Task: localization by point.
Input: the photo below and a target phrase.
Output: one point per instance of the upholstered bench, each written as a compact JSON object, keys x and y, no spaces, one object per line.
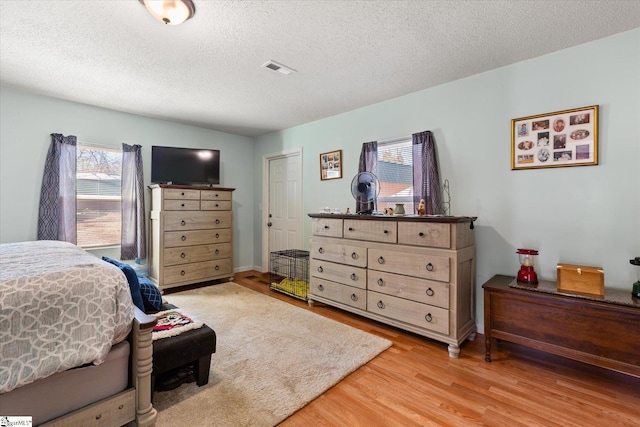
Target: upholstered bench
{"x":191,"y":348}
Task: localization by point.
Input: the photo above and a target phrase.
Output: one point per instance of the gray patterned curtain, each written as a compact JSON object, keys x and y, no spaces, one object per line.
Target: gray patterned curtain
{"x":368,"y":163}
{"x":57,"y":212}
{"x":426,"y":176}
{"x":134,"y":240}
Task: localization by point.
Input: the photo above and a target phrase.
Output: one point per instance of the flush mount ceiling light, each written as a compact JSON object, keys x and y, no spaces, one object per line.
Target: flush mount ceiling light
{"x":172,"y":12}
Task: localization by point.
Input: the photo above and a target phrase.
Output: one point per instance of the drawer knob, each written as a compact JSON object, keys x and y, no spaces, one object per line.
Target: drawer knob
{"x":217,"y":235}
{"x":320,"y":288}
{"x":217,"y":205}
{"x":182,"y":255}
{"x":350,"y":228}
{"x":321,"y":250}
{"x":380,"y":305}
{"x":320,"y":269}
{"x":430,"y":292}
{"x":217,"y":221}
{"x":428,"y":318}
{"x":217,"y":251}
{"x":386,"y":231}
{"x":421,"y":234}
{"x":380,"y":260}
{"x":183,"y":238}
{"x":182,"y":273}
{"x":217,"y":267}
{"x":182,"y":194}
{"x":121,"y":406}
{"x":182,"y":205}
{"x":380,"y":282}
{"x":354,"y":255}
{"x":354,"y":297}
{"x":326,"y":227}
{"x":353,"y":276}
{"x":217,"y":195}
{"x":98,"y":416}
{"x":429,"y":267}
{"x":183,"y":222}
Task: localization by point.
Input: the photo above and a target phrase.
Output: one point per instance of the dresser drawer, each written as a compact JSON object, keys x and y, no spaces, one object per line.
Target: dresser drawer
{"x":196,"y":271}
{"x":373,"y":231}
{"x":189,"y":254}
{"x":196,"y":237}
{"x":339,"y":252}
{"x":215,"y":205}
{"x":410,"y":264}
{"x":354,"y":297}
{"x":196,"y":220}
{"x":182,"y":205}
{"x":215,"y":195}
{"x":347,"y":274}
{"x":411,"y":288}
{"x":422,"y":315}
{"x":178,"y":194}
{"x":432,"y":234}
{"x":326,"y":227}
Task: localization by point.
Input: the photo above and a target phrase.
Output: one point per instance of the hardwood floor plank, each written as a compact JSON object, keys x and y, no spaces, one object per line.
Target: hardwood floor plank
{"x":416,"y":383}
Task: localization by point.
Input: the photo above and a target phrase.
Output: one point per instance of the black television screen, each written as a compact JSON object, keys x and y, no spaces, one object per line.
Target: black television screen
{"x":187,"y":166}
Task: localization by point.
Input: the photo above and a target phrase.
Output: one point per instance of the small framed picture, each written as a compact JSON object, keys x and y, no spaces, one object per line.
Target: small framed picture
{"x":562,"y":138}
{"x":331,"y":165}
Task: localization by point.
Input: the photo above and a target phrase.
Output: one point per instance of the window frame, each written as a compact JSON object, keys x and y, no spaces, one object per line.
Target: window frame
{"x":83,"y":197}
{"x":389,"y":200}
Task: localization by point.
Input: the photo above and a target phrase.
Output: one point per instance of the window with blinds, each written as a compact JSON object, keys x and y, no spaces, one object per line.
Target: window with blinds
{"x":98,"y":179}
{"x":395,"y":172}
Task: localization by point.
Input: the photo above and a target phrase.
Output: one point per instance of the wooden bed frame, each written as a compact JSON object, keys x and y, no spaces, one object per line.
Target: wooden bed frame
{"x":133,"y":404}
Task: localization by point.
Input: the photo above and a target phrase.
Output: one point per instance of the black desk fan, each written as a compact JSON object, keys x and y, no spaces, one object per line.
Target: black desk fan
{"x":365,"y":188}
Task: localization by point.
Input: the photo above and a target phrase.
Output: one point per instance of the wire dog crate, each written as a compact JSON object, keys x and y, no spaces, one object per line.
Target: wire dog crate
{"x":289,"y":272}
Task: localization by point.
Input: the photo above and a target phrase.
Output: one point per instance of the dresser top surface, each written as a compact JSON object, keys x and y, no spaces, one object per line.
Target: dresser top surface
{"x":403,"y":218}
{"x":611,"y":295}
{"x":190,"y":187}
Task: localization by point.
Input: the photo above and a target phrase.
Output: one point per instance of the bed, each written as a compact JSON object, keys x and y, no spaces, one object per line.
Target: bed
{"x":74,"y":350}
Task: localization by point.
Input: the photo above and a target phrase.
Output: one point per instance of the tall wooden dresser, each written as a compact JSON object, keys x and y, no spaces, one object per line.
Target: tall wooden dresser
{"x":415,"y":273}
{"x":191,"y":235}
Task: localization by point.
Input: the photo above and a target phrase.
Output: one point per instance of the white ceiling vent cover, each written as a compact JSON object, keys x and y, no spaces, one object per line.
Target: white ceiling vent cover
{"x":279,"y":68}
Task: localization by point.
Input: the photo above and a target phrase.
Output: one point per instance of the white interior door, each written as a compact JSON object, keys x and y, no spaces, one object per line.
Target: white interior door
{"x":283,"y":222}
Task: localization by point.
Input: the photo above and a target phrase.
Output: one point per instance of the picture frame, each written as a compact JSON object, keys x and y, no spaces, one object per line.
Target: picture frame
{"x":331,"y":165}
{"x":558,"y":139}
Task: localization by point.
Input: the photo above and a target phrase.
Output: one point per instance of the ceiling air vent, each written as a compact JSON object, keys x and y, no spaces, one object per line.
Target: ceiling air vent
{"x":279,"y":68}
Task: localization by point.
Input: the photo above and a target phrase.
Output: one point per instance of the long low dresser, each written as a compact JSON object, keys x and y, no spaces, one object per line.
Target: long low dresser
{"x":413,"y":272}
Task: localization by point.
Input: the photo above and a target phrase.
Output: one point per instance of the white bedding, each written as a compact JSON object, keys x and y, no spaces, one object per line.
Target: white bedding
{"x":60,"y":307}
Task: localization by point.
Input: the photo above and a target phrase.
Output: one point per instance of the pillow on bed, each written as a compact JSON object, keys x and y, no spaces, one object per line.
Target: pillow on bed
{"x":150,"y":294}
{"x":132,"y":278}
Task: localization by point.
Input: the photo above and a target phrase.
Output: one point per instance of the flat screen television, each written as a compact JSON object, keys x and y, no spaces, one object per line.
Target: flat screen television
{"x":186,"y":166}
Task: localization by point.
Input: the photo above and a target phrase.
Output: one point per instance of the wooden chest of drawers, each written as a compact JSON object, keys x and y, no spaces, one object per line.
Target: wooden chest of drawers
{"x":191,"y":235}
{"x":416,"y":273}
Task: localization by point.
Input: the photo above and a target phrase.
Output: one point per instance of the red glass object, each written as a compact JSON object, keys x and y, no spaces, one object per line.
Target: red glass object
{"x":527,"y":274}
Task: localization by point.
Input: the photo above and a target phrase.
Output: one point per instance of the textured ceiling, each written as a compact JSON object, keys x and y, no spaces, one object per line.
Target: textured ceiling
{"x":348,"y":54}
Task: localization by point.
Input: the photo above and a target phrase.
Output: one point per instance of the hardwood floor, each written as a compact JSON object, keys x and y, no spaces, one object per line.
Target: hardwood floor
{"x":415,"y":383}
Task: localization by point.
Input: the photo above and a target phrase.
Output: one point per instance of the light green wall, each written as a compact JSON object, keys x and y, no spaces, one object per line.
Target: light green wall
{"x":26,"y":122}
{"x":583,"y":215}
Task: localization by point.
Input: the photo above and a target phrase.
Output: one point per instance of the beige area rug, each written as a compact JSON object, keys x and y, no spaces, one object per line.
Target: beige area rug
{"x":272,"y":358}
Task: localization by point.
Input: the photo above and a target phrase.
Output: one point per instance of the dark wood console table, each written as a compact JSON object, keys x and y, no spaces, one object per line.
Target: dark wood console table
{"x":602,"y":331}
